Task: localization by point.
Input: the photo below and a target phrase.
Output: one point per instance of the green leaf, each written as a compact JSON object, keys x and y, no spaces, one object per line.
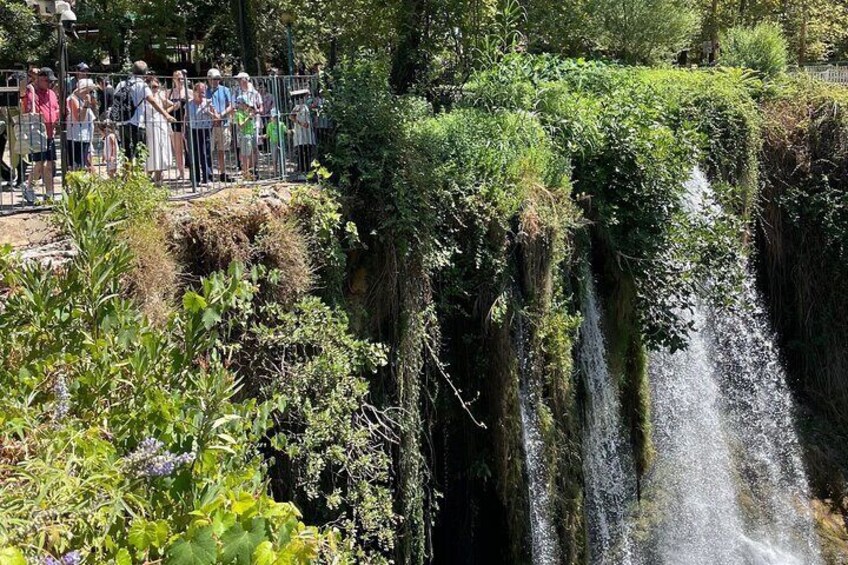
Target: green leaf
{"x":144,"y":534}
{"x":264,"y":554}
{"x":12,"y":556}
{"x":198,"y":548}
{"x":243,"y":503}
{"x":193,"y":302}
{"x":210,"y":318}
{"x":123,"y":557}
{"x":239,"y":544}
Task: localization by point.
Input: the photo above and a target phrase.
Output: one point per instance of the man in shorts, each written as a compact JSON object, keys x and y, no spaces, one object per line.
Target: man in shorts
{"x":42,"y":100}
{"x":222,"y":101}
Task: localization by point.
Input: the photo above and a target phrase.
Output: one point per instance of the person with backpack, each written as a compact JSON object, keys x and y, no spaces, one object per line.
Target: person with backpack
{"x":128,"y":109}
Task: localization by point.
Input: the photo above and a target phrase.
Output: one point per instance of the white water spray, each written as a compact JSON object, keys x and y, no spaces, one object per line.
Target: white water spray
{"x":607,"y":462}
{"x":545,"y":550}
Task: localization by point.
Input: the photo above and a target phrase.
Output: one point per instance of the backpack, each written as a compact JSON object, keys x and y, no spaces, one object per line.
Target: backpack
{"x":123,"y":108}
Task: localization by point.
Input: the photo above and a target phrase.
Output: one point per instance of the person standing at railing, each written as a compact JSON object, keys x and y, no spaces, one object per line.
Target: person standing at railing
{"x":110,"y":149}
{"x":304,"y":132}
{"x":42,"y":100}
{"x":222,"y":102}
{"x":128,"y":107}
{"x":158,"y":134}
{"x":275,"y":135}
{"x":81,"y":113}
{"x":245,"y":119}
{"x":246,"y":90}
{"x":201,"y":114}
{"x":268,"y":105}
{"x":178,"y":98}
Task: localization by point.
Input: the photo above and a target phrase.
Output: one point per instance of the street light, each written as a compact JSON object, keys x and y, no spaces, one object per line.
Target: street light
{"x":288,"y":19}
{"x":67,"y":19}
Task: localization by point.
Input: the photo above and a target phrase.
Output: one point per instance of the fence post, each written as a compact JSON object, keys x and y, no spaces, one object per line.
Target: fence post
{"x":190,"y":137}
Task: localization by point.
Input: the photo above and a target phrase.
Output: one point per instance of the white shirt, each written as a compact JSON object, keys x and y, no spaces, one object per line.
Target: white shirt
{"x":139,"y":92}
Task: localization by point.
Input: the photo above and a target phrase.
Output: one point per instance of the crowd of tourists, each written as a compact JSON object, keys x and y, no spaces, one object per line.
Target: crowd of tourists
{"x":187,"y":130}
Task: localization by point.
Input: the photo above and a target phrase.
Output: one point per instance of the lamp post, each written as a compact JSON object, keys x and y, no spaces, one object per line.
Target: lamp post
{"x":288,"y":19}
{"x":67,"y":17}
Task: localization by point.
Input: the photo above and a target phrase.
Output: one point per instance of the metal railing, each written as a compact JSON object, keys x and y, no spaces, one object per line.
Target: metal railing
{"x":213,"y":136}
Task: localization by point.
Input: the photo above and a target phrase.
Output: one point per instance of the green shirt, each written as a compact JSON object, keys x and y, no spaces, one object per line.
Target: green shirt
{"x":274,"y":130}
{"x":246,"y":123}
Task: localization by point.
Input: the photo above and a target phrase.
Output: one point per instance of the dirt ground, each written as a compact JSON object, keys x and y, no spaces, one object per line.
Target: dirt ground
{"x":28,"y":229}
{"x":33,"y":229}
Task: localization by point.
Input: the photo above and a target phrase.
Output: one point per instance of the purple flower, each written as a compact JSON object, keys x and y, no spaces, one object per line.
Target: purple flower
{"x":72,"y":558}
{"x":63,"y":398}
{"x":150,"y":459}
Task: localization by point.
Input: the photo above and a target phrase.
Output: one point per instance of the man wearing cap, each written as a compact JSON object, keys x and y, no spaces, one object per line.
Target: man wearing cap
{"x":42,"y":100}
{"x":81,"y":71}
{"x":254,"y":100}
{"x":141,"y":95}
{"x":222,"y":101}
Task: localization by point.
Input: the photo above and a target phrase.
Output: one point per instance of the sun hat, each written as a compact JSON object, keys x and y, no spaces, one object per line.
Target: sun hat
{"x":213,"y":73}
{"x":85,"y":83}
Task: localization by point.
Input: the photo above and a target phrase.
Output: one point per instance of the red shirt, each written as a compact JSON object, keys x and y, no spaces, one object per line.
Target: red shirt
{"x":46,"y":104}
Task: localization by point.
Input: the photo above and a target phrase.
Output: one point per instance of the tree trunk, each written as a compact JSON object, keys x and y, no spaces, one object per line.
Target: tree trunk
{"x":407,"y":59}
{"x":246,"y":26}
{"x":802,"y":35}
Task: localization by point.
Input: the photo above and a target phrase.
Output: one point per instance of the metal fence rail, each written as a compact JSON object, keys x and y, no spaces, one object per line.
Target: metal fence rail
{"x":198,"y":147}
{"x":830,"y":73}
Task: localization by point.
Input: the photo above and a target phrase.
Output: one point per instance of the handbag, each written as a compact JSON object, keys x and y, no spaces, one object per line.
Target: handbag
{"x":30,"y":134}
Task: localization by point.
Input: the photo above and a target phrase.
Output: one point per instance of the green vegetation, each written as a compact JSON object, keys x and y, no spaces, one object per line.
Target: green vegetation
{"x":803,"y":235}
{"x":761,"y":48}
{"x":126,"y":441}
{"x":360,"y":351}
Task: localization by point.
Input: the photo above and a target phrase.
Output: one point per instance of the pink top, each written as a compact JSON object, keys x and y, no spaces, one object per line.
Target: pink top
{"x":46,"y":104}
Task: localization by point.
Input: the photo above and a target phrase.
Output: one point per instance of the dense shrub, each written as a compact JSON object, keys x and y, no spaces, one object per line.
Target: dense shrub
{"x":761,"y":48}
{"x":122,"y":442}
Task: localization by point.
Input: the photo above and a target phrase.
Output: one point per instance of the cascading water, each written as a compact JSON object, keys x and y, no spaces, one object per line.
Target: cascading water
{"x":728,"y":483}
{"x":543,"y":539}
{"x":607,"y":464}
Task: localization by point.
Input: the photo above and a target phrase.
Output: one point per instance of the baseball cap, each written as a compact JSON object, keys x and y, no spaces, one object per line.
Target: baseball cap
{"x":213,"y":73}
{"x":242,"y":75}
{"x":47,"y":72}
{"x":82,"y":67}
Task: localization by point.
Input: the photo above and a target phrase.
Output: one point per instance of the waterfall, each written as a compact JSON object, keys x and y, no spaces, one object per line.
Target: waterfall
{"x":544,"y":545}
{"x":728,"y":480}
{"x":607,"y":463}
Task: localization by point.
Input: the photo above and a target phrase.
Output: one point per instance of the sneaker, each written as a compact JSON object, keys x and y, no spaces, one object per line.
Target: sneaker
{"x":29,"y":195}
{"x":225,"y":178}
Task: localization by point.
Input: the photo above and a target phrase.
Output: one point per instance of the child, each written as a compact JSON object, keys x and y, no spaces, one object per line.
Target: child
{"x":110,"y":149}
{"x":275,"y":134}
{"x":246,"y":123}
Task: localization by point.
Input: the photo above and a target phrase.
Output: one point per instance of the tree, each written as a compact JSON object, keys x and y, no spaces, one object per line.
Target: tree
{"x":643,"y":31}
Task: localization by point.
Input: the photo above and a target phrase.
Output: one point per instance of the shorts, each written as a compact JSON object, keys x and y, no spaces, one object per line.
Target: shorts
{"x":247,"y":144}
{"x":221,"y":138}
{"x":49,"y":153}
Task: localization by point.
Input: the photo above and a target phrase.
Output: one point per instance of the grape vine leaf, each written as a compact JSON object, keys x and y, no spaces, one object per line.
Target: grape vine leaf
{"x":239,"y":544}
{"x":198,"y":548}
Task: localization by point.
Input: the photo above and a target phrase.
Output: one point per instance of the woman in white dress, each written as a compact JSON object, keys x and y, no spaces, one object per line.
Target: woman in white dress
{"x":159,"y":156}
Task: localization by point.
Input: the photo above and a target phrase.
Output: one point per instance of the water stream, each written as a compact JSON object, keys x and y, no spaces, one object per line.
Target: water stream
{"x":727,"y":485}
{"x":607,"y":462}
{"x":545,"y":550}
